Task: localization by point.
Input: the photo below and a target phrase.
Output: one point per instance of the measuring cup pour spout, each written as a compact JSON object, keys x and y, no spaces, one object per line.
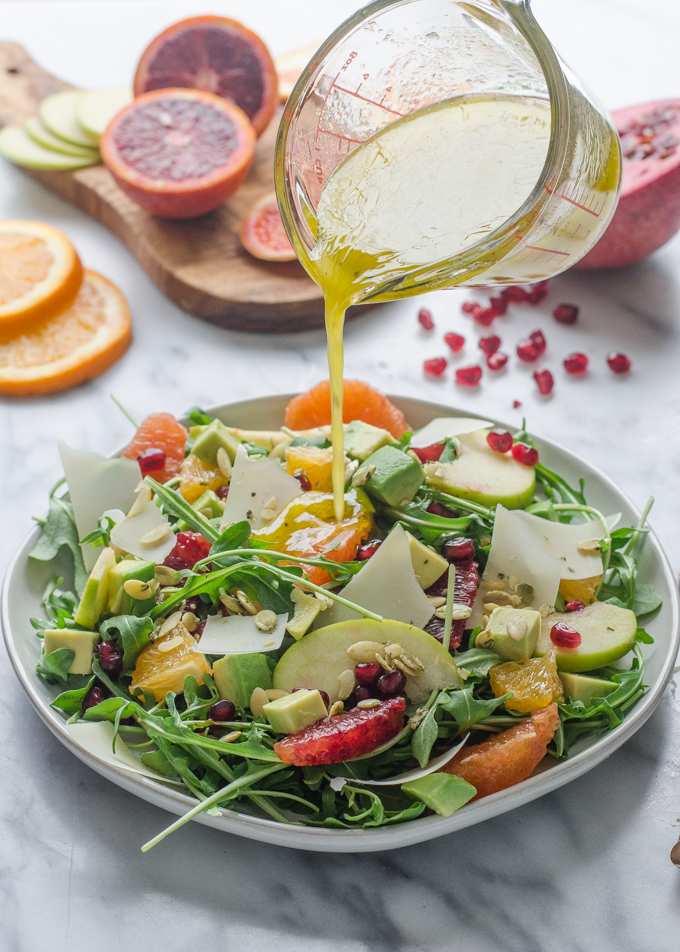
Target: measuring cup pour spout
{"x":518,"y":171}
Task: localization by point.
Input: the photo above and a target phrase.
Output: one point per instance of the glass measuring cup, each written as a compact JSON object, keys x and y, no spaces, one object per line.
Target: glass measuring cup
{"x":393,"y":58}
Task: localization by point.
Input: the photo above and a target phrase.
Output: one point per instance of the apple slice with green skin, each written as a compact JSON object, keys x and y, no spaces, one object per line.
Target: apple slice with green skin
{"x":482,"y":475}
{"x":42,"y":135}
{"x":59,"y":112}
{"x":318,"y":659}
{"x":17,"y":146}
{"x":607,"y":634}
{"x":96,"y":108}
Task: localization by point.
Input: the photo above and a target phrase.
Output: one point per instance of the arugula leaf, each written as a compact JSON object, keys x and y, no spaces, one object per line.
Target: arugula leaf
{"x":478,"y":660}
{"x":131,"y":632}
{"x":198,"y":417}
{"x":644,"y":637}
{"x":59,"y":605}
{"x":425,"y":735}
{"x":71,"y":702}
{"x":176,"y":505}
{"x":110,"y":709}
{"x":646,"y":600}
{"x":273,"y":593}
{"x":466,"y":709}
{"x":54,"y":667}
{"x":156,"y":760}
{"x":58,"y":531}
{"x":232,"y":538}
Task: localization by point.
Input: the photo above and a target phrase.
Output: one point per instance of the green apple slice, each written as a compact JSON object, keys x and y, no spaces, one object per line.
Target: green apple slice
{"x":59,"y":113}
{"x":17,"y":146}
{"x":96,"y":108}
{"x":482,"y":475}
{"x":607,"y":634}
{"x":318,"y":659}
{"x":39,"y":132}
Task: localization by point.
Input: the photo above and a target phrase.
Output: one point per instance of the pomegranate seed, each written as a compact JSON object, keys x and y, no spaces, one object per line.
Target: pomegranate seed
{"x":544,"y":381}
{"x":537,"y":292}
{"x":192,"y":604}
{"x":469,"y":307}
{"x":538,"y":340}
{"x":199,"y":631}
{"x":489,"y":345}
{"x":93,"y":697}
{"x":564,"y":636}
{"x":429,"y":454}
{"x":222,"y":711}
{"x":368,"y":550}
{"x":459,"y":549}
{"x":368,"y":674}
{"x":525,"y":454}
{"x":468,"y":376}
{"x":110,"y":658}
{"x":484,"y":318}
{"x":566,"y":314}
{"x":618,"y":362}
{"x":499,"y":440}
{"x":516,"y":403}
{"x":455,"y":341}
{"x":425,"y":319}
{"x":222,"y":492}
{"x":363,"y":693}
{"x":527,"y":351}
{"x":515,"y":294}
{"x":576,"y":364}
{"x":498,"y":305}
{"x":390,"y":684}
{"x":435,"y":367}
{"x":151,"y":460}
{"x":437,"y":509}
{"x":497,"y":361}
{"x":575,"y":606}
{"x":302,"y":479}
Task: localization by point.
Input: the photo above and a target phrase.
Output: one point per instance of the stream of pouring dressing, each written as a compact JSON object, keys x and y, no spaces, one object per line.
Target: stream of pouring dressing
{"x":420,"y":191}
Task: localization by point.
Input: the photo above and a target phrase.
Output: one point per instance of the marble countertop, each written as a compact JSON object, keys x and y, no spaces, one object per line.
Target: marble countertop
{"x":585,"y":868}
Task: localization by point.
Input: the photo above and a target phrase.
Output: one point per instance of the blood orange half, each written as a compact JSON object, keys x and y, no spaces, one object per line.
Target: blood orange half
{"x":216,"y":55}
{"x":262,"y":232}
{"x":179,"y":153}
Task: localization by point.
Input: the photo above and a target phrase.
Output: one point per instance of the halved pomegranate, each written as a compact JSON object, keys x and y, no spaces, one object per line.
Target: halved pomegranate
{"x":648,"y":213}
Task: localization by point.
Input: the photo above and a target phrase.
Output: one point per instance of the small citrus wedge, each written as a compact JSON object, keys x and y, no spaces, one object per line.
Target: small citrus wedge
{"x":160,"y":431}
{"x":74,"y":345}
{"x":262,"y":232}
{"x":361,"y":402}
{"x":40,"y":273}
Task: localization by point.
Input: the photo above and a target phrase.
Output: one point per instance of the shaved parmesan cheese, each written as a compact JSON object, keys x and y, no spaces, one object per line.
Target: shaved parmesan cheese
{"x":562,"y":541}
{"x":95,"y":484}
{"x":255,"y":485}
{"x":97,"y":739}
{"x":238,"y":634}
{"x":130,"y":534}
{"x":441,"y":428}
{"x":387,"y":585}
{"x":515,"y":550}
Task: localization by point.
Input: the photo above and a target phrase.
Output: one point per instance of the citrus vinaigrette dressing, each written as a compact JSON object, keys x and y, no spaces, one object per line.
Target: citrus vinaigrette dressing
{"x":421,"y":190}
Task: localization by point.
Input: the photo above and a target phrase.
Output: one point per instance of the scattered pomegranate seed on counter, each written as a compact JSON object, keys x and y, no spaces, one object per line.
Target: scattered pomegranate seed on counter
{"x":489,"y":345}
{"x":425,"y":319}
{"x":537,"y":292}
{"x":524,"y":454}
{"x":618,"y":362}
{"x":498,"y":305}
{"x":368,"y":549}
{"x":575,"y":606}
{"x":455,"y":341}
{"x":516,"y":404}
{"x":515,"y":294}
{"x":566,"y":314}
{"x":151,"y":460}
{"x":435,"y":367}
{"x":485,"y":317}
{"x":544,"y":382}
{"x":469,"y":376}
{"x":496,"y":361}
{"x":564,"y":636}
{"x":538,"y":340}
{"x":499,"y":440}
{"x":469,"y":307}
{"x":576,"y":364}
{"x":527,"y":351}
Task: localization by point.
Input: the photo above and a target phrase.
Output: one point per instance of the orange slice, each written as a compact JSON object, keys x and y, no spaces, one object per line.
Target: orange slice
{"x":70,"y":347}
{"x":160,"y":431}
{"x":361,"y":402}
{"x":40,"y":272}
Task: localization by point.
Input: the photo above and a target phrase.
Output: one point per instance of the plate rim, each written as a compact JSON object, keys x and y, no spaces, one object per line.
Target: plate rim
{"x":384,"y":838}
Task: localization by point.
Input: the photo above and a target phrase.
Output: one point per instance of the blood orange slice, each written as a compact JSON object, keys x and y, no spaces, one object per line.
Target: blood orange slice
{"x":361,"y":402}
{"x":262,"y":232}
{"x":160,"y":431}
{"x":179,"y":153}
{"x":216,"y":55}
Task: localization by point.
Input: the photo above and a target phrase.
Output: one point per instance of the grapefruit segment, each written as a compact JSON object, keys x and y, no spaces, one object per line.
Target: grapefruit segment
{"x":361,"y":402}
{"x":262,"y":232}
{"x":179,"y":153}
{"x":160,"y":431}
{"x":216,"y":55}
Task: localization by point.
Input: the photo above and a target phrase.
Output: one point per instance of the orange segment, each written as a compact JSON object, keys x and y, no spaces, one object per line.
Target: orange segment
{"x":316,"y":464}
{"x":361,"y":402}
{"x":40,"y":272}
{"x":195,"y":477}
{"x":534,"y":684}
{"x":160,"y":431}
{"x":580,"y":590}
{"x":159,"y":670}
{"x":72,"y":346}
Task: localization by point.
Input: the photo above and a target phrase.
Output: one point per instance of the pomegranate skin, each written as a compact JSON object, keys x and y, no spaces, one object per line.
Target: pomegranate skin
{"x":648,"y":213}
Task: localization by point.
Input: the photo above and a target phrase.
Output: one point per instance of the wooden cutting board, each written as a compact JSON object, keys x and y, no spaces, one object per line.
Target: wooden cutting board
{"x":198,"y":263}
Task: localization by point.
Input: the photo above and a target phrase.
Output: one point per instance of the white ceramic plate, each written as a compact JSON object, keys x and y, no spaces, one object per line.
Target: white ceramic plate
{"x":26,"y":579}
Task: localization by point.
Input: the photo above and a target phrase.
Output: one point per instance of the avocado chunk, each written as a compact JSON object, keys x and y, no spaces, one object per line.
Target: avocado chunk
{"x":211,"y":439}
{"x":95,"y":596}
{"x":396,"y":477}
{"x":209,"y":504}
{"x":525,"y":625}
{"x":363,"y":439}
{"x":237,"y":676}
{"x":81,"y":642}
{"x":427,"y":564}
{"x":482,"y":475}
{"x":607,"y":634}
{"x":444,"y":793}
{"x":294,"y":712}
{"x":119,"y":602}
{"x":583,"y":687}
